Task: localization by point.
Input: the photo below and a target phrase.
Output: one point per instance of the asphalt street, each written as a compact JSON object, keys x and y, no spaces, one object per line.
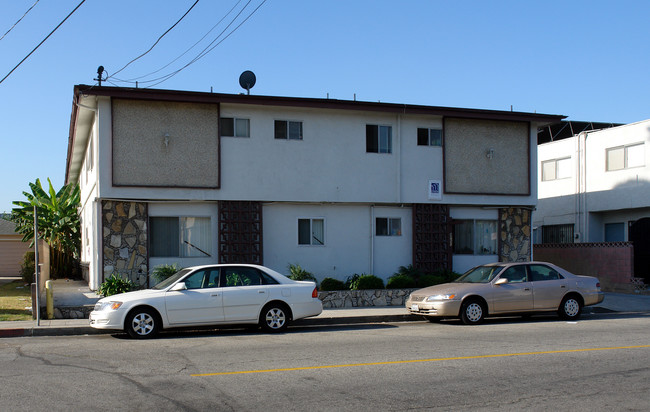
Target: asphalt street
{"x":543,"y":363}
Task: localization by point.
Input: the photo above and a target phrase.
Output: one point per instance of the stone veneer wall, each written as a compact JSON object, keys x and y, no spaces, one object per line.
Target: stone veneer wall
{"x":364,"y":298}
{"x":514,"y":232}
{"x":125,"y":240}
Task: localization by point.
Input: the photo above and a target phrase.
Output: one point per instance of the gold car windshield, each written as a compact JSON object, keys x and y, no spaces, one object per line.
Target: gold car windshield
{"x":480,"y":274}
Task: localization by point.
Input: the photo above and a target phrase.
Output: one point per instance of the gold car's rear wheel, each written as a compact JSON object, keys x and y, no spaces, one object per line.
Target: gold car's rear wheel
{"x":570,"y":308}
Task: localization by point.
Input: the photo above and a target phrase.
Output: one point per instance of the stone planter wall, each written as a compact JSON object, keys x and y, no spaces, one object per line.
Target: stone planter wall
{"x":364,"y":298}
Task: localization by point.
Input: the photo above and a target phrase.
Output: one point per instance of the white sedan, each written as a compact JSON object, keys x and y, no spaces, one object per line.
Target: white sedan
{"x":210,"y":295}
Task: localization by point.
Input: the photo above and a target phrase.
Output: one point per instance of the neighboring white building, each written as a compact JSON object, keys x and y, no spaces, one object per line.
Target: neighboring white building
{"x":339,"y":187}
{"x":595,"y":187}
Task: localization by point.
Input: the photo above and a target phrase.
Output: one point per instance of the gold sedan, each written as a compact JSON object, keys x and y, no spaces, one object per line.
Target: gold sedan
{"x":507,"y":288}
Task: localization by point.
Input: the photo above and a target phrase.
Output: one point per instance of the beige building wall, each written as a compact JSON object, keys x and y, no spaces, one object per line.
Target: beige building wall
{"x":165,"y":144}
{"x":486,"y":157}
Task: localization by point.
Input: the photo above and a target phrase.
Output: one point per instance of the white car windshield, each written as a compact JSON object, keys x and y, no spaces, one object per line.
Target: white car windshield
{"x":173,"y":278}
{"x":480,"y":274}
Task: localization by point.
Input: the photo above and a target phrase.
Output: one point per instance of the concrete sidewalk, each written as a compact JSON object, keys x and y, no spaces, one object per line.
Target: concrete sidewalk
{"x":613,"y":303}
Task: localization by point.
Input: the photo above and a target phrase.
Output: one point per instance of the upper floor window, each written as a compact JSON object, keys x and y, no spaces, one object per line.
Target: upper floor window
{"x":388,"y":226}
{"x":233,"y":127}
{"x":379,"y":139}
{"x":625,"y":157}
{"x":311,"y":232}
{"x":285,"y":129}
{"x":556,"y":169}
{"x":429,"y":137}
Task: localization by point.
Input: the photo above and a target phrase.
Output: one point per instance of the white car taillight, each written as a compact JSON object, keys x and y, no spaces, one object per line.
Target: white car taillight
{"x":314,"y":294}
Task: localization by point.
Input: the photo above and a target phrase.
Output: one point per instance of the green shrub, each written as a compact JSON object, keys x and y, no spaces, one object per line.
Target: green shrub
{"x":116,"y":284}
{"x":437,"y":278}
{"x":328,"y":284}
{"x":409,"y":271}
{"x":351,"y":280}
{"x":367,"y":282}
{"x":298,"y":273}
{"x":398,"y":281}
{"x":28,"y":267}
{"x":429,"y":280}
{"x":162,"y":272}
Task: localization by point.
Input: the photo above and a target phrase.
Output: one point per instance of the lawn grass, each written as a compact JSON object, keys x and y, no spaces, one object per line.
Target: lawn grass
{"x":14,"y":298}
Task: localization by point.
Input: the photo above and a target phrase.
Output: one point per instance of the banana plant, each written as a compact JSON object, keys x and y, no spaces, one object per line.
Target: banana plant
{"x":58,"y":223}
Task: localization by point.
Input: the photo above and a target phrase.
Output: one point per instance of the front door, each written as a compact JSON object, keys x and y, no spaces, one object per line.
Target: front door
{"x":200,"y":303}
{"x":516,"y":295}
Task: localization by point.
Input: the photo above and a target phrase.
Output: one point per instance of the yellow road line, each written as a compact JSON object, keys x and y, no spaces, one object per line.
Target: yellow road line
{"x":350,"y":365}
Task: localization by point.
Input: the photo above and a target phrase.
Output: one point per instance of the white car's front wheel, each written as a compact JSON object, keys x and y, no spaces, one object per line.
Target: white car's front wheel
{"x":142,"y":323}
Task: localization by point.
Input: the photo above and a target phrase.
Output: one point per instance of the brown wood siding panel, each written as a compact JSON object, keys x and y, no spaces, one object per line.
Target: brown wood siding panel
{"x":431,"y":231}
{"x":240,"y":232}
{"x":11,"y":256}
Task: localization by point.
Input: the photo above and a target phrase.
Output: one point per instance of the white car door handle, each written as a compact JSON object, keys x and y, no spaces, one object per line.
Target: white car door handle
{"x":260,"y":291}
{"x":215,"y":294}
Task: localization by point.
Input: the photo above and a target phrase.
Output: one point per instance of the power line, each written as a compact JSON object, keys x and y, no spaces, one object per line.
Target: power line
{"x":43,"y":41}
{"x":208,"y":49}
{"x":159,"y":38}
{"x":186,"y":51}
{"x":12,"y":27}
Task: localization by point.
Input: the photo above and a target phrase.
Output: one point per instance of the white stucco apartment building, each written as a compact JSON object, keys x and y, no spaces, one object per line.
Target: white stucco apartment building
{"x":338,"y":187}
{"x":595,"y":187}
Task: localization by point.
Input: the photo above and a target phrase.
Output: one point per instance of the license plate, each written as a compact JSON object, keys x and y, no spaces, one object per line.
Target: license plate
{"x":414,"y":308}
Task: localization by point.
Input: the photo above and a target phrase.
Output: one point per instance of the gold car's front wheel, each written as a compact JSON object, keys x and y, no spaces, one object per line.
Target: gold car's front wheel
{"x":472,"y":312}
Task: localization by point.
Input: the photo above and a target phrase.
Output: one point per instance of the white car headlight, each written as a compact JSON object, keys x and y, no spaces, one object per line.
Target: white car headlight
{"x":440,"y":297}
{"x":111,"y":305}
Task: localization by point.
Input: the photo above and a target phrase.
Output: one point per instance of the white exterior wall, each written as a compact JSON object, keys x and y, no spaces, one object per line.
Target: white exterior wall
{"x":593,"y":196}
{"x":328,"y":174}
{"x":267,"y":169}
{"x":350,"y":245}
{"x":90,"y":224}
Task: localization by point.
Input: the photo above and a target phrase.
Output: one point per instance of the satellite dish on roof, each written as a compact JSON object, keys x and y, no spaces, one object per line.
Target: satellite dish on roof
{"x":247,"y":80}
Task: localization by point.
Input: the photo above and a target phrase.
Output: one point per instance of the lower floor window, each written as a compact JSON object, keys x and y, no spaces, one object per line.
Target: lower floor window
{"x":180,"y":237}
{"x":475,"y":237}
{"x":557,"y":233}
{"x":311,"y":232}
{"x":388,"y":226}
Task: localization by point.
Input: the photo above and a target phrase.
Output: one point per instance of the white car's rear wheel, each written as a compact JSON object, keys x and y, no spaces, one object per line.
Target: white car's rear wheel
{"x":274,"y":317}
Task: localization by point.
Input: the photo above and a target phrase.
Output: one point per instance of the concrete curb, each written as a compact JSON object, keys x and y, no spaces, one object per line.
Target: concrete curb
{"x":78,"y":328}
{"x":75,"y":330}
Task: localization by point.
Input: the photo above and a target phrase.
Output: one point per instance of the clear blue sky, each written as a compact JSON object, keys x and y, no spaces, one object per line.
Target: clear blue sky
{"x":588,"y":60}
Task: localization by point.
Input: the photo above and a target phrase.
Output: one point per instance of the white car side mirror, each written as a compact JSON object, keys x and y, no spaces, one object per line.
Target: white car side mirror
{"x":501,"y":281}
{"x":179,"y":286}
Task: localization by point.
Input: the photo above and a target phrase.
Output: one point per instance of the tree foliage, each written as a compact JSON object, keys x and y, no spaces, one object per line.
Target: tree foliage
{"x":58,"y":224}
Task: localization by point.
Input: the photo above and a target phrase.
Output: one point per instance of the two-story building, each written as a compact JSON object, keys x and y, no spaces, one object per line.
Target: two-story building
{"x":595,"y":187}
{"x":339,"y":187}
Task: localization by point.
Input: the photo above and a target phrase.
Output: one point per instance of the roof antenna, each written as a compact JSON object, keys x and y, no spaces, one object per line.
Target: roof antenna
{"x":100,"y":71}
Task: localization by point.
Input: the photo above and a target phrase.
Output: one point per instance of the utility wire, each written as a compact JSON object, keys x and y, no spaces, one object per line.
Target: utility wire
{"x":43,"y":41}
{"x":159,"y":38}
{"x":12,"y":27}
{"x":204,"y":52}
{"x":132,"y":80}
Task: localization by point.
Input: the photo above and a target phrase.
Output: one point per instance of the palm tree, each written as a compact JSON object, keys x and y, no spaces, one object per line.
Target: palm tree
{"x":58,"y":224}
